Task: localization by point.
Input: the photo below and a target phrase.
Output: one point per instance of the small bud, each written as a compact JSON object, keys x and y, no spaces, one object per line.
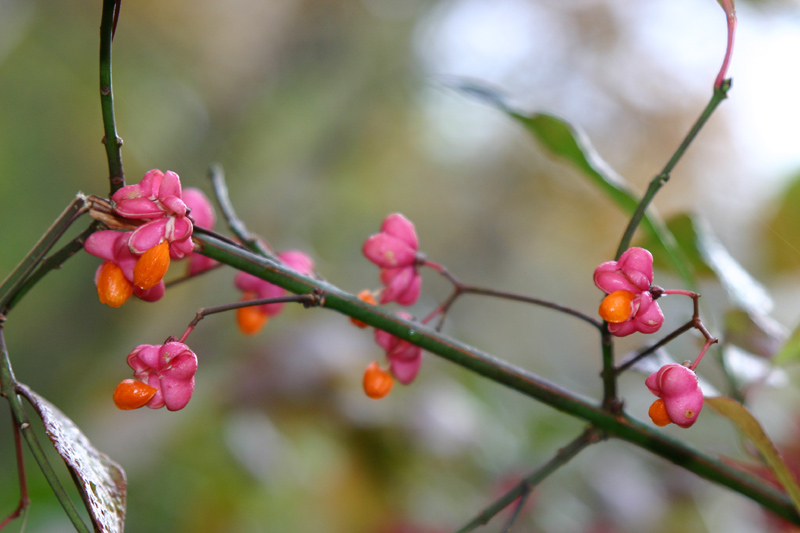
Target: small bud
{"x":151,"y":266}
{"x":251,"y":319}
{"x":377,"y":382}
{"x":658,"y":413}
{"x":112,"y":287}
{"x":133,"y":394}
{"x":367,"y":297}
{"x":617,"y":307}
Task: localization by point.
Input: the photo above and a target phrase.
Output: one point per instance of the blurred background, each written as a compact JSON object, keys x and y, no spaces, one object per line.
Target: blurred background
{"x":326,"y":117}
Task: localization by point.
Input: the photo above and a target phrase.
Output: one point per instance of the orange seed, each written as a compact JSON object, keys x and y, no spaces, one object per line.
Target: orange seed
{"x":377,"y":382}
{"x":133,"y":394}
{"x":658,"y":413}
{"x":617,"y":307}
{"x":112,"y":287}
{"x":151,"y":266}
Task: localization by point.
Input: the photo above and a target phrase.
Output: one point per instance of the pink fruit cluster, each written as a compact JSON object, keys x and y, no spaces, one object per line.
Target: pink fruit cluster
{"x":677,"y":387}
{"x":629,"y":280}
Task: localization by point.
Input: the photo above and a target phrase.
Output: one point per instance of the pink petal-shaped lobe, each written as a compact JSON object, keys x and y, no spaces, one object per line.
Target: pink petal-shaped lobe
{"x":138,"y":208}
{"x":388,"y":251}
{"x":151,"y":183}
{"x":148,"y":235}
{"x":102,"y":244}
{"x":202,"y":211}
{"x":399,"y":226}
{"x":404,"y":358}
{"x":298,"y":261}
{"x":648,"y":317}
{"x":633,"y":272}
{"x":152,"y":294}
{"x":170,"y":185}
{"x":405,"y":370}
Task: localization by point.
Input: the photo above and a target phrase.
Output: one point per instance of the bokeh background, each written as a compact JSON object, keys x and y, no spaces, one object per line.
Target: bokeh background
{"x":328,"y":115}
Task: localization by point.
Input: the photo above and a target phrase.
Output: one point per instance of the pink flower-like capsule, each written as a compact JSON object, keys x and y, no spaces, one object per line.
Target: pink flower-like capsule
{"x":158,"y":198}
{"x":258,"y":288}
{"x":678,"y":387}
{"x":157,"y":195}
{"x":202,"y":214}
{"x":629,"y":279}
{"x":395,"y":251}
{"x":170,"y":368}
{"x":405,"y":358}
{"x":113,"y":247}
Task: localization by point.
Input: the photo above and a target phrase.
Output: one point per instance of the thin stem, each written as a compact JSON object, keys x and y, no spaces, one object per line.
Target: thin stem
{"x":534,"y":301}
{"x":24,"y":501}
{"x":702,"y":353}
{"x":523,"y":499}
{"x":52,"y":262}
{"x":307,"y":300}
{"x":562,"y":457}
{"x":614,"y":424}
{"x":8,"y":388}
{"x":217,"y":177}
{"x":730,"y":15}
{"x":647,"y":351}
{"x":720,"y":93}
{"x":111,"y":141}
{"x":463,"y":288}
{"x":20,"y":274}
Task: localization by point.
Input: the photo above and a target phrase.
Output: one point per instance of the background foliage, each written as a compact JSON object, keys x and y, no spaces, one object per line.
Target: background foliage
{"x":328,"y":115}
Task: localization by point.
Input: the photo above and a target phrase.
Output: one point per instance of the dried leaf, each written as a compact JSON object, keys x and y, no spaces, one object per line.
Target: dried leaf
{"x":750,"y":427}
{"x":101,"y":481}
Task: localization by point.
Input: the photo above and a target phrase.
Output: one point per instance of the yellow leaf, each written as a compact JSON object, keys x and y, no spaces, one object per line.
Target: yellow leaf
{"x":750,"y":427}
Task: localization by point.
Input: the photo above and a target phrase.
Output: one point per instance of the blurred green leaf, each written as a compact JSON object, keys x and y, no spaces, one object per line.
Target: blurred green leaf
{"x":708,"y":255}
{"x":567,"y":142}
{"x":790,"y":350}
{"x":750,"y":427}
{"x":781,"y":232}
{"x":682,"y":228}
{"x":756,"y":333}
{"x":101,"y":481}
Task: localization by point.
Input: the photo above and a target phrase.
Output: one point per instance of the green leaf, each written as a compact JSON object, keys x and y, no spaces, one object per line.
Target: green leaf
{"x":565,"y":141}
{"x":749,"y":426}
{"x":757,"y":334}
{"x":708,"y":255}
{"x":790,"y":351}
{"x":781,"y":232}
{"x":101,"y":481}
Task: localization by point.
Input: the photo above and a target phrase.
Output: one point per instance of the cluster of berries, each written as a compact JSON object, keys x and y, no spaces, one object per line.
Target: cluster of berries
{"x":630,"y":306}
{"x":135,"y":263}
{"x":395,"y":249}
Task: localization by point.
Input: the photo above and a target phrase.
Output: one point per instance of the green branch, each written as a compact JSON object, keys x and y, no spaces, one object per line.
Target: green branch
{"x":12,"y":284}
{"x":614,"y":424}
{"x":52,"y":262}
{"x":720,"y":93}
{"x":111,"y":141}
